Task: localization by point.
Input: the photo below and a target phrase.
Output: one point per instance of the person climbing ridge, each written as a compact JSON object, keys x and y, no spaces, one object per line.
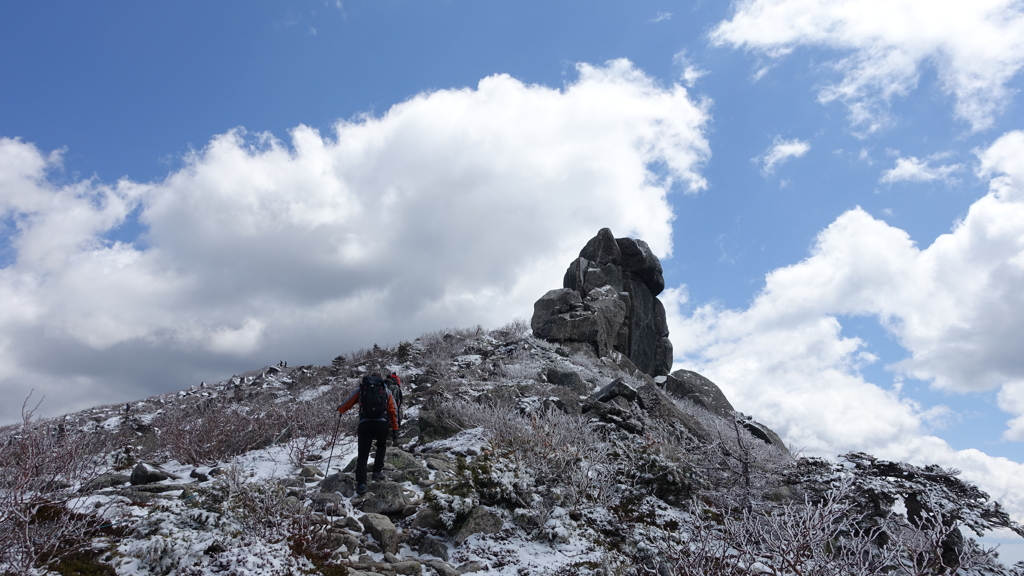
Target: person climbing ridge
{"x":377,"y":411}
{"x":395,"y":386}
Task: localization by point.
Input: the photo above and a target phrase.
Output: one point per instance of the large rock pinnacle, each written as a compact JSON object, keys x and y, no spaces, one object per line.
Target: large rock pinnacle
{"x":608,"y":303}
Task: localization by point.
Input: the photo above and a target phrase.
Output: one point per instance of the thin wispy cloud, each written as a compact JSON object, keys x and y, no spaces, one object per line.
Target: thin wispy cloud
{"x":661,"y":16}
{"x":780,"y":152}
{"x":690,"y":71}
{"x":913,"y":169}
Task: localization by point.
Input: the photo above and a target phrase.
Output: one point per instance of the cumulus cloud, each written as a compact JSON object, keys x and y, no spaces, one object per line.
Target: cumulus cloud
{"x":913,"y":169}
{"x":780,"y":152}
{"x":976,"y":47}
{"x":956,"y":306}
{"x":454,"y":208}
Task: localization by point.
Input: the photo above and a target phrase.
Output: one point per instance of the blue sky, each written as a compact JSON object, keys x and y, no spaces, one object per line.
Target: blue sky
{"x":194,"y":189}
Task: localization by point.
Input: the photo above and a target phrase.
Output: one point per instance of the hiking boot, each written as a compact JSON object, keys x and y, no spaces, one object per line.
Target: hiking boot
{"x":361,"y":489}
{"x":378,"y":477}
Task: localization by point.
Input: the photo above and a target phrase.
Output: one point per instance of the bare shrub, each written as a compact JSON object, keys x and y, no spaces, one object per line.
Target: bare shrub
{"x":738,"y":467}
{"x":42,"y":463}
{"x":515,"y":330}
{"x":218,"y":433}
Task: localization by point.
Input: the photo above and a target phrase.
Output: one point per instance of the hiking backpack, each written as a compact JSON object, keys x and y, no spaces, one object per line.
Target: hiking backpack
{"x":373,"y":398}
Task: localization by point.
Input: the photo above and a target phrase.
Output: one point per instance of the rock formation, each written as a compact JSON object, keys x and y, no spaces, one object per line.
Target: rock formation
{"x":608,"y":303}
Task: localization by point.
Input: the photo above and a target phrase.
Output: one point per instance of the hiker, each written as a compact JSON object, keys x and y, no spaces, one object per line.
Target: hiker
{"x":377,"y":414}
{"x":395,"y":386}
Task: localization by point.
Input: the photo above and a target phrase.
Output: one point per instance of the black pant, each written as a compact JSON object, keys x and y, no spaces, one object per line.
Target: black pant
{"x":368,"y":432}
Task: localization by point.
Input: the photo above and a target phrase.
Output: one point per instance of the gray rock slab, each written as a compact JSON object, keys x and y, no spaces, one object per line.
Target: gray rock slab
{"x":382,"y":530}
{"x":480,"y":521}
{"x":615,"y":388}
{"x":699,"y":390}
{"x":567,"y":378}
{"x":442,"y":568}
{"x":149,"y":473}
{"x":384,"y":498}
{"x":431,"y":546}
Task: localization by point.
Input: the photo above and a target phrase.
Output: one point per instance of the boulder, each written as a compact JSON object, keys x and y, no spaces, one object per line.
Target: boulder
{"x":576,"y":326}
{"x":382,"y":530}
{"x":431,"y":546}
{"x":327,"y":502}
{"x":555,"y":302}
{"x":339,"y":482}
{"x":609,"y":313}
{"x":658,"y":405}
{"x":406,"y":567}
{"x":765,"y":434}
{"x":641,"y":263}
{"x":105,"y":481}
{"x":617,"y":387}
{"x":567,"y":379}
{"x":434,"y":428}
{"x":428,"y":519}
{"x":310,"y":471}
{"x":442,"y":568}
{"x":406,"y":468}
{"x":480,"y":520}
{"x":148,"y":474}
{"x":598,"y":276}
{"x":563,"y":399}
{"x":643,"y":336}
{"x":662,"y":357}
{"x":602,"y":248}
{"x":384,"y":498}
{"x":575,"y":275}
{"x":699,"y":390}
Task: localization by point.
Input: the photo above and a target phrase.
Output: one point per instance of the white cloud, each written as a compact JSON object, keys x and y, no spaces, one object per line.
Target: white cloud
{"x":661,"y":16}
{"x":691,"y":73}
{"x":977,"y":47}
{"x":780,"y":152}
{"x":913,"y":169}
{"x":454,"y":208}
{"x":956,"y":306}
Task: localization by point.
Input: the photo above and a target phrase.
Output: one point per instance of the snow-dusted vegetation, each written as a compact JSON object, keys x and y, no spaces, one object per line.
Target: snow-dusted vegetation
{"x":515,"y":456}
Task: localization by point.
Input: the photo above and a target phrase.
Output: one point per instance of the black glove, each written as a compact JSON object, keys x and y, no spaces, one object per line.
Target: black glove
{"x":394,"y":437}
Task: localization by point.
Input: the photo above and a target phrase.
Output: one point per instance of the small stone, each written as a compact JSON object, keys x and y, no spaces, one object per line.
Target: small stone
{"x":470,"y":567}
{"x":442,"y":568}
{"x":406,"y":567}
{"x":310,"y":471}
{"x":352,"y":524}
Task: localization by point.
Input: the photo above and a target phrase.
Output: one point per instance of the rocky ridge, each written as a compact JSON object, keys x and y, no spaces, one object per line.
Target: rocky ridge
{"x":564,"y":451}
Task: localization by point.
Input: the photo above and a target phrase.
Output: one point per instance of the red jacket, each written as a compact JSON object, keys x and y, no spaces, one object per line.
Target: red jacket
{"x":392,"y":412}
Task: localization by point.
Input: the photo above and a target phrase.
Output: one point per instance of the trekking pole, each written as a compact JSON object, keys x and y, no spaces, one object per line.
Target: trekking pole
{"x":327,"y":471}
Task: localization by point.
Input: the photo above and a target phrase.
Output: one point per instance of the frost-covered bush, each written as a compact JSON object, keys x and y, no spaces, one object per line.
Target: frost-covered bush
{"x":539,"y":462}
{"x":42,"y":465}
{"x":219,"y":432}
